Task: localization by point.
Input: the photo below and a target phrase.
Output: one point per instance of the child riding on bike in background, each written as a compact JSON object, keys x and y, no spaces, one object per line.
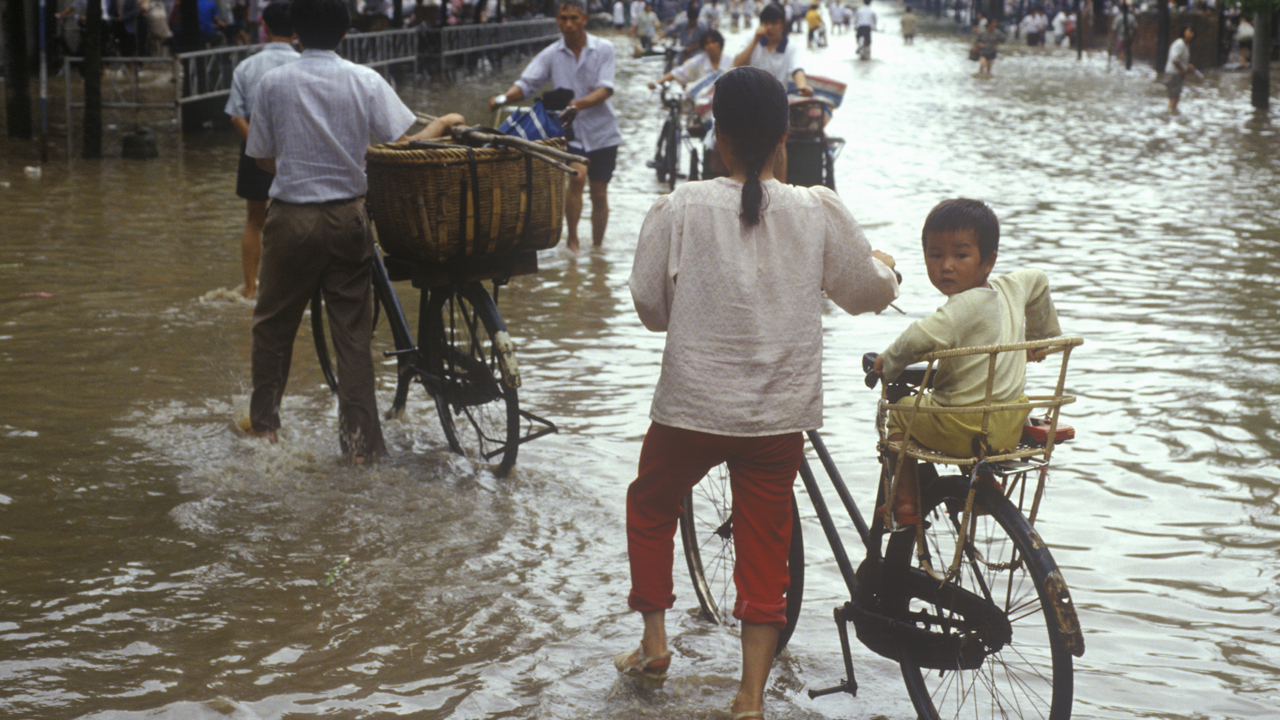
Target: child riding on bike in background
{"x":960,"y":239}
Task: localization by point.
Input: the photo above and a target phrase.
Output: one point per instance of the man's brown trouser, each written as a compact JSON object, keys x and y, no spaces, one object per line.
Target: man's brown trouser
{"x":305,"y":247}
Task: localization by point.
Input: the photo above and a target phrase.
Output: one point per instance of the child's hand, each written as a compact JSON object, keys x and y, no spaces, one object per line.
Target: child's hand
{"x":878,"y":367}
{"x":1034,"y":355}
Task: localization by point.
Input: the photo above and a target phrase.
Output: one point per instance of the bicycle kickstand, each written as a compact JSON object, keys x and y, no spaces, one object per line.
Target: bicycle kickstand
{"x":850,"y":685}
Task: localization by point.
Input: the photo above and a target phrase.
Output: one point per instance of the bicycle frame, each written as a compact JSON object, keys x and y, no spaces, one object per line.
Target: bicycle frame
{"x":843,"y":614}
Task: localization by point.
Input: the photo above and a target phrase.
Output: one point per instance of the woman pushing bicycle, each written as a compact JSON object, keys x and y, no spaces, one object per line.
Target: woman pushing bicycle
{"x":733,"y":270}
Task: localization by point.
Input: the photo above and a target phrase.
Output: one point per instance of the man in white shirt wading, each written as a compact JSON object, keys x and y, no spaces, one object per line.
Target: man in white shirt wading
{"x":865,"y":20}
{"x":312,"y":120}
{"x":1179,"y":65}
{"x":252,"y":182}
{"x":585,"y":64}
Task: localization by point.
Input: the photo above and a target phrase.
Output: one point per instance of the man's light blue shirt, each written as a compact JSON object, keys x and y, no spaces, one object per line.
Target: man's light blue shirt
{"x":244,"y":82}
{"x":316,"y":117}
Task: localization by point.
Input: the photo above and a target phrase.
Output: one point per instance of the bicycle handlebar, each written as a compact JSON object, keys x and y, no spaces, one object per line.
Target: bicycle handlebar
{"x":910,"y":377}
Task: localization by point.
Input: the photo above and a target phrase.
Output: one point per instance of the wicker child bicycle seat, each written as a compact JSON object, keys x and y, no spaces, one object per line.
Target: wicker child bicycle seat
{"x":911,"y":405}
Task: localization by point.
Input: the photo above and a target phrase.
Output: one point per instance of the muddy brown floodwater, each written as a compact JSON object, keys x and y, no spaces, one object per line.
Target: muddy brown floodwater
{"x":155,"y":565}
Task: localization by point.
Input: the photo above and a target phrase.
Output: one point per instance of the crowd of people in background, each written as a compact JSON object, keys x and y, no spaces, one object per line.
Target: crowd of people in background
{"x":152,"y":27}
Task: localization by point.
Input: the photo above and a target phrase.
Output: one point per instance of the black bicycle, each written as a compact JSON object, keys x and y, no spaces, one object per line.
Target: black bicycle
{"x":969,"y":602}
{"x":674,"y":134}
{"x":463,"y":355}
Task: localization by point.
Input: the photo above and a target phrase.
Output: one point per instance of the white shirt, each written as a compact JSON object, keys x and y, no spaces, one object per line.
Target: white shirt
{"x":1179,"y":57}
{"x":742,"y":309}
{"x":595,"y":127}
{"x":619,"y":13}
{"x":781,"y":63}
{"x":1060,"y":23}
{"x":697,"y":67}
{"x":316,"y":116}
{"x":244,"y":81}
{"x":864,"y":16}
{"x":710,"y":14}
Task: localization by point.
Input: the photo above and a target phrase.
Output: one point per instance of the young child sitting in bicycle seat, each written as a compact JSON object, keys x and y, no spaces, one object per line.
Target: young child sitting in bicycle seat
{"x":960,"y":239}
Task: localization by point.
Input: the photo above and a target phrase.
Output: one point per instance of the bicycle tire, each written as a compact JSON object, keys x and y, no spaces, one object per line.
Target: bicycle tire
{"x":1019,"y":669}
{"x":695,"y":170}
{"x":673,"y":153}
{"x":707,"y":538}
{"x":322,"y":345}
{"x":660,"y":155}
{"x":384,"y":295}
{"x":828,"y":167}
{"x":463,"y":333}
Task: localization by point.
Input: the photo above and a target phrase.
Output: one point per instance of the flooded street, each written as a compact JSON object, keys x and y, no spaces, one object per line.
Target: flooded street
{"x":153,"y":564}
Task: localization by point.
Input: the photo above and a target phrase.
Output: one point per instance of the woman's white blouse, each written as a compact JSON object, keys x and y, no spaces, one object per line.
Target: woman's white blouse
{"x":742,"y":308}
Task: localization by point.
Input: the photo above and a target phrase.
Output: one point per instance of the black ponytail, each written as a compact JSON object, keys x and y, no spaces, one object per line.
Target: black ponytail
{"x":750,"y":108}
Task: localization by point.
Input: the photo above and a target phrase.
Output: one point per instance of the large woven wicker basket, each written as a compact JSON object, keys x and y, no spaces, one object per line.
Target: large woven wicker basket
{"x":435,"y":204}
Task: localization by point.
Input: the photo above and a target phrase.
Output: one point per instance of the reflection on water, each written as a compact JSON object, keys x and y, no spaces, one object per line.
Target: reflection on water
{"x":157,"y":565}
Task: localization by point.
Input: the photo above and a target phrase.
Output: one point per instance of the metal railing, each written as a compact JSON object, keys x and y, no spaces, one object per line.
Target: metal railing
{"x":130,"y":98}
{"x":383,"y":48}
{"x":443,"y":43}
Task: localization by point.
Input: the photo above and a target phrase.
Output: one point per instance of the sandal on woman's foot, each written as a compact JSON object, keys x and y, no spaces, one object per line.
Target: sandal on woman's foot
{"x":749,"y":714}
{"x":640,"y":670}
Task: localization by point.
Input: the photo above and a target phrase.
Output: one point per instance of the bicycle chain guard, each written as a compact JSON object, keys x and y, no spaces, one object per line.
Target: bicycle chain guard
{"x":956,"y":631}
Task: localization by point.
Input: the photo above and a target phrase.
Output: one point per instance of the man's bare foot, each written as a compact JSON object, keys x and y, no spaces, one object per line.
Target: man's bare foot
{"x":268,"y":435}
{"x":250,"y":291}
{"x":572,"y":245}
{"x":246,"y":426}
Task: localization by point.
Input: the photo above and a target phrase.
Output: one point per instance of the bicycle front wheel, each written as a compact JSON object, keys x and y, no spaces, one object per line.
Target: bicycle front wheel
{"x":706,"y":531}
{"x":1002,"y":650}
{"x":476,"y":394}
{"x":660,"y":155}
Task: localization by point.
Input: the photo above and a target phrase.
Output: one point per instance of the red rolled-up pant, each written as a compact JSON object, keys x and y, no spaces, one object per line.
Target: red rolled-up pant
{"x":761,"y":473}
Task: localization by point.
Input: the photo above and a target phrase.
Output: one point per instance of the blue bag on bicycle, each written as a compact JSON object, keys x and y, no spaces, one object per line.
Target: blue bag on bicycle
{"x":534,"y":123}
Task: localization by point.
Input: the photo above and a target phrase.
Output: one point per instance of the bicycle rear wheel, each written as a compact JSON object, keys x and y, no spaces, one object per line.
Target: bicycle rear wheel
{"x":1003,"y":650}
{"x":464,"y":338}
{"x":706,"y":531}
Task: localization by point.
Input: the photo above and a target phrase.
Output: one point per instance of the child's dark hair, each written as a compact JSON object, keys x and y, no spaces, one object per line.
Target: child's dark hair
{"x":712,"y":36}
{"x":772,"y":13}
{"x":276,"y":17}
{"x":960,"y":214}
{"x":750,"y":109}
{"x":320,"y":24}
